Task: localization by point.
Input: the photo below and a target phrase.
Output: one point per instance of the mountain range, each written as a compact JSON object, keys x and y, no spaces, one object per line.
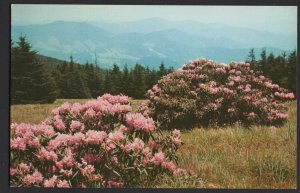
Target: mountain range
{"x":149,"y":41}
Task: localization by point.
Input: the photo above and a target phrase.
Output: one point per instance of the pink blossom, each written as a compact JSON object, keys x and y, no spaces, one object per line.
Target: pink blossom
{"x":95,"y":137}
{"x":201,"y":85}
{"x":90,"y":113}
{"x":138,"y":144}
{"x":180,"y":171}
{"x":91,"y":158}
{"x":139,"y":122}
{"x":89,"y":169}
{"x":114,"y":159}
{"x":237,"y":79}
{"x":158,"y":158}
{"x":76,"y":125}
{"x":35,"y":178}
{"x":24,"y":167}
{"x":169,"y":166}
{"x":66,"y":172}
{"x":177,"y":141}
{"x":176,"y":133}
{"x":58,"y":123}
{"x":116,"y":136}
{"x":18,"y":143}
{"x":12,"y":171}
{"x":238,"y":73}
{"x":153,"y":144}
{"x":63,"y":184}
{"x":58,"y":141}
{"x":51,"y":182}
{"x":76,"y":108}
{"x":76,"y":139}
{"x":231,"y":83}
{"x":213,"y":91}
{"x":124,"y":129}
{"x":213,"y":83}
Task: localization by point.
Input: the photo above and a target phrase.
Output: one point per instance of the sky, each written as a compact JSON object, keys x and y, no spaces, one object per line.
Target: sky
{"x":276,"y":19}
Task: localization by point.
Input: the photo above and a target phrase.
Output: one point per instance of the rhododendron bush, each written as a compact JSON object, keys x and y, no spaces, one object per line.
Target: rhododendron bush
{"x":101,"y":143}
{"x":204,"y":93}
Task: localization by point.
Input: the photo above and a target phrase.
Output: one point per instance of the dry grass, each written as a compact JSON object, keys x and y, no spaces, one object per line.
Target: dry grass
{"x":232,"y":157}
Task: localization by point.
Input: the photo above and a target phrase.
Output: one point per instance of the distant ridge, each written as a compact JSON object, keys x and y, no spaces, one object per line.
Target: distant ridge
{"x":148,"y":42}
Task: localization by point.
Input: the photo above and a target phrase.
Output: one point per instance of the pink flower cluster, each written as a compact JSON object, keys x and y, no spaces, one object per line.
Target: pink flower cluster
{"x":203,"y":92}
{"x":101,"y":143}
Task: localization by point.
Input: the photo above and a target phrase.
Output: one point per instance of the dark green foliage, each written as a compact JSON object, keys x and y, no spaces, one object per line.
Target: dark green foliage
{"x":280,"y":69}
{"x":30,"y":81}
{"x":35,"y":80}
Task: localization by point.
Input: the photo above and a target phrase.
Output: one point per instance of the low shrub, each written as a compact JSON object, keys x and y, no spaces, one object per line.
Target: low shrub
{"x":101,"y":143}
{"x":203,"y":93}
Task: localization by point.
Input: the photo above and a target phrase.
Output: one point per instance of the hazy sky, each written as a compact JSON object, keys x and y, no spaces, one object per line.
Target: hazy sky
{"x":277,"y":19}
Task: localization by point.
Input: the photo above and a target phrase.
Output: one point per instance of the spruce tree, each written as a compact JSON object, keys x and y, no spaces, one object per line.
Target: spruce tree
{"x":30,"y":80}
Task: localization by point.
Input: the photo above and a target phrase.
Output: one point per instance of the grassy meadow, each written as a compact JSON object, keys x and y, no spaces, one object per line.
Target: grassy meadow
{"x":231,"y":157}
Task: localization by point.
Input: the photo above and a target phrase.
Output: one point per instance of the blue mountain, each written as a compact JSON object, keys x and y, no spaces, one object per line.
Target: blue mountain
{"x":148,"y":42}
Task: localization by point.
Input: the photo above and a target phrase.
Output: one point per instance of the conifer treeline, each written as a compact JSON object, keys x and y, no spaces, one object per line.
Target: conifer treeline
{"x":90,"y":81}
{"x":280,"y":69}
{"x":32,"y":82}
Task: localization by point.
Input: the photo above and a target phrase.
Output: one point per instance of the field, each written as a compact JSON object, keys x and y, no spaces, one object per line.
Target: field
{"x":232,"y":157}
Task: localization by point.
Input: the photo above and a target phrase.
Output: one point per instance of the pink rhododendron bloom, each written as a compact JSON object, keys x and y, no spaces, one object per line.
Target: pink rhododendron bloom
{"x":51,"y":182}
{"x":139,"y":122}
{"x":76,"y":108}
{"x":124,"y":129}
{"x":58,"y":123}
{"x":158,"y":158}
{"x":90,"y":113}
{"x":63,"y":184}
{"x":213,"y":83}
{"x":176,"y":133}
{"x":153,"y":144}
{"x":58,"y":141}
{"x":76,"y":125}
{"x":35,"y":178}
{"x":95,"y":137}
{"x":18,"y":143}
{"x":138,"y":144}
{"x":231,"y":83}
{"x":76,"y":139}
{"x":237,"y":79}
{"x":213,"y":91}
{"x":24,"y":167}
{"x":177,"y":141}
{"x":238,"y":73}
{"x":12,"y":171}
{"x":116,"y":136}
{"x":66,"y":172}
{"x":91,"y":158}
{"x":89,"y":169}
{"x":169,"y":165}
{"x":180,"y":171}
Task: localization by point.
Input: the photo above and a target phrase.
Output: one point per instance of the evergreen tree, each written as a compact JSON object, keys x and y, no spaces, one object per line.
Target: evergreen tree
{"x":137,"y":85}
{"x":263,"y":61}
{"x":290,"y":80}
{"x":162,"y":70}
{"x":125,"y":80}
{"x":77,"y":87}
{"x":116,"y":78}
{"x":252,"y":60}
{"x":30,"y":81}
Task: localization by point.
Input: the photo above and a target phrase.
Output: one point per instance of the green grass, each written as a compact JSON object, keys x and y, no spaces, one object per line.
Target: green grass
{"x":231,"y":157}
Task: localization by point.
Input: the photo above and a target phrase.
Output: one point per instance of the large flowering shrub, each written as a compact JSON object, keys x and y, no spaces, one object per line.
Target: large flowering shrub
{"x":204,"y":93}
{"x":101,"y":143}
